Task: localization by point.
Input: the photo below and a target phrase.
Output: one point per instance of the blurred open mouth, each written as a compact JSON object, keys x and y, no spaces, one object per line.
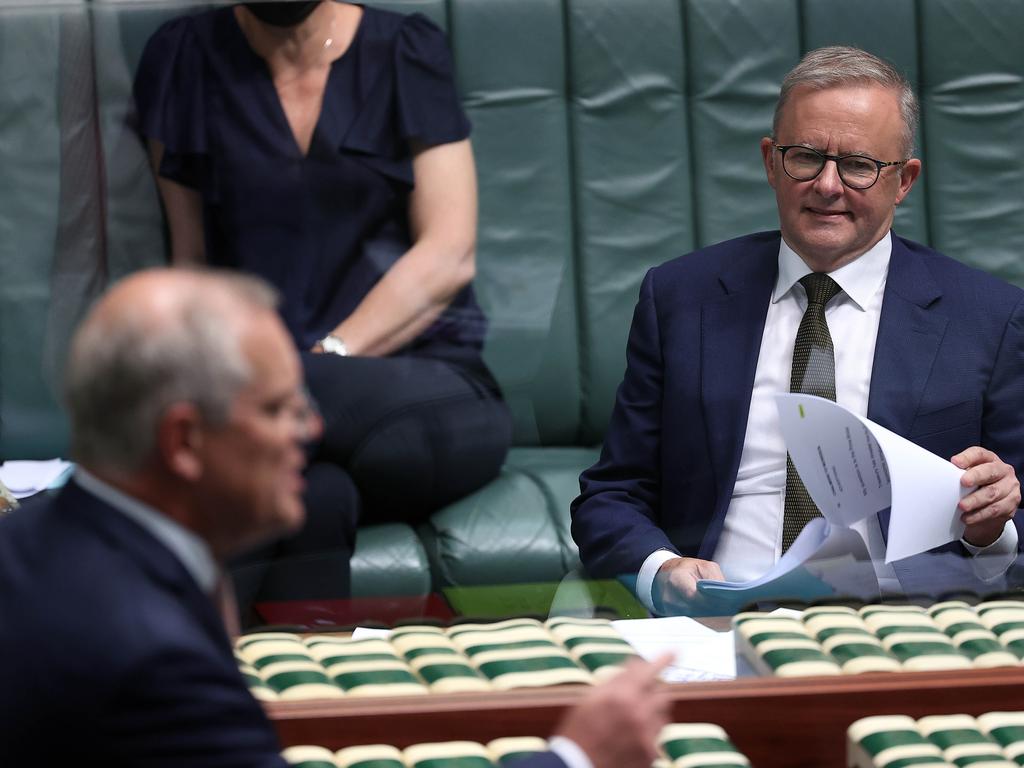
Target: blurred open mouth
{"x":294,"y":481}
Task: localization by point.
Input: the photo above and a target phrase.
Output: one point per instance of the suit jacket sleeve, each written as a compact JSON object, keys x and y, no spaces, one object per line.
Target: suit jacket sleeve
{"x":1003,"y":415}
{"x":542,"y":760}
{"x":184,"y":708}
{"x":615,"y":519}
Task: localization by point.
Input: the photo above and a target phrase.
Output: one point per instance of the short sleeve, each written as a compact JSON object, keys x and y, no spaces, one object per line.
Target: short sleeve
{"x":429,"y":109}
{"x":170,"y":101}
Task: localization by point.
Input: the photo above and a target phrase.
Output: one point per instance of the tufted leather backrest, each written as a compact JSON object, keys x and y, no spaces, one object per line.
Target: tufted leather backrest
{"x":610,"y":135}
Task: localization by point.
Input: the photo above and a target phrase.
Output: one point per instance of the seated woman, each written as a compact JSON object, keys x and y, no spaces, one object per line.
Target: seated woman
{"x":322,"y":146}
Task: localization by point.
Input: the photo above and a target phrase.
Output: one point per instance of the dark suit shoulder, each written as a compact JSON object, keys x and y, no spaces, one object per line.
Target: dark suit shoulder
{"x":955,"y":284}
{"x":944,"y":266}
{"x":62,"y":578}
{"x":114,"y":646}
{"x":744,"y":262}
{"x":718,"y":257}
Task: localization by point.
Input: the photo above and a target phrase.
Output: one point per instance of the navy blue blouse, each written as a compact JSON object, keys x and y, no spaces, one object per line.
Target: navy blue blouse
{"x":324,"y":227}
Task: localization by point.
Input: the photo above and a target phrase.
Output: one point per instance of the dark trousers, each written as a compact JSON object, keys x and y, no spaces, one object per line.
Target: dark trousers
{"x":403,"y":436}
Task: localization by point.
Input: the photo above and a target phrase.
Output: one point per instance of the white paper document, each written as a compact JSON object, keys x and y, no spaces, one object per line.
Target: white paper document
{"x":701,"y":653}
{"x":852,"y":469}
{"x":24,"y":478}
{"x":370,"y":633}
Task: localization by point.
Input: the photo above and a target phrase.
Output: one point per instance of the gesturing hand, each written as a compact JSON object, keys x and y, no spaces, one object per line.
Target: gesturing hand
{"x":618,"y":723}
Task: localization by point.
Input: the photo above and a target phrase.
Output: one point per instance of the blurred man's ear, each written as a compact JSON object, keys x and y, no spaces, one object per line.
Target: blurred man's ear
{"x":180,"y":441}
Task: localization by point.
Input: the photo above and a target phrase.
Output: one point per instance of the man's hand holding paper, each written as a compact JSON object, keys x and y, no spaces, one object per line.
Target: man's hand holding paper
{"x":854,"y":468}
{"x":995,"y":495}
{"x":675,"y":585}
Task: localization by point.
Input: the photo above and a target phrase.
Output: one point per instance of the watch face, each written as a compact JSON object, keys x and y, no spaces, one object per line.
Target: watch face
{"x":334,"y":345}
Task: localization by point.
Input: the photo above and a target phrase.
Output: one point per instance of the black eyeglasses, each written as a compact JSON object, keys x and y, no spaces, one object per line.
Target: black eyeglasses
{"x":855,"y":171}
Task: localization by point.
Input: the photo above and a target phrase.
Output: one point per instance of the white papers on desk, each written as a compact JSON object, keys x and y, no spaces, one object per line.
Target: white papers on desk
{"x":853,"y":468}
{"x":700,"y":653}
{"x":370,"y":633}
{"x":24,"y":478}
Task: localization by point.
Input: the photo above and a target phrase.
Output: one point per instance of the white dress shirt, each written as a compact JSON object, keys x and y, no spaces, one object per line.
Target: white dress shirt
{"x":751,"y":539}
{"x":191,"y":551}
{"x":570,"y":752}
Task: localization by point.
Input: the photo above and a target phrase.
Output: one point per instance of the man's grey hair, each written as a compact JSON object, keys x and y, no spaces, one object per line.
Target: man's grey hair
{"x":841,"y":65}
{"x":122,"y":376}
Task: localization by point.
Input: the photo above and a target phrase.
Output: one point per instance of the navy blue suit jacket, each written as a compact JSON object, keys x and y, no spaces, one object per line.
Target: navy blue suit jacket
{"x":948,"y":373}
{"x":111,"y":654}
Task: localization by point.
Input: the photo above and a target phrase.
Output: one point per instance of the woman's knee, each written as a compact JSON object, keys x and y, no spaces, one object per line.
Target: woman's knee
{"x":333,"y":507}
{"x":431,"y":457}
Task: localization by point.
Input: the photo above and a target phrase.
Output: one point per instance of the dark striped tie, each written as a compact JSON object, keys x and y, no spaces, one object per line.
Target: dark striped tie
{"x":814,"y":373}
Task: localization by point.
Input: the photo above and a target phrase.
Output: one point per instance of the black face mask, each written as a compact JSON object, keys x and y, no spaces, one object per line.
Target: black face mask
{"x":282,"y":14}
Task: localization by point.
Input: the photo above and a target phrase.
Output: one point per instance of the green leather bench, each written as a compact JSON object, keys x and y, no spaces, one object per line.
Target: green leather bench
{"x":610,"y":135}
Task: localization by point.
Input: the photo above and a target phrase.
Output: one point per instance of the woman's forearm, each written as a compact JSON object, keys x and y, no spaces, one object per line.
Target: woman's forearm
{"x":441,"y":261}
{"x":184,"y":211}
{"x":410,"y":296}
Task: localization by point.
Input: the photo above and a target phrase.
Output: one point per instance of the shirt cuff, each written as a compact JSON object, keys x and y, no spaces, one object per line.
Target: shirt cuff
{"x":569,"y":752}
{"x":645,"y":577}
{"x":992,"y":561}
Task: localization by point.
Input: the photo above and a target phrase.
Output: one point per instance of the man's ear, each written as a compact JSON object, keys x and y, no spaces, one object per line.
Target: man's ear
{"x":908,"y":175}
{"x":180,"y":441}
{"x":768,"y":156}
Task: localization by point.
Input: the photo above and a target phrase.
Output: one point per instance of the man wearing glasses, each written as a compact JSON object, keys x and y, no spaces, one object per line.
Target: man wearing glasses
{"x":188,"y":426}
{"x":693,"y":481}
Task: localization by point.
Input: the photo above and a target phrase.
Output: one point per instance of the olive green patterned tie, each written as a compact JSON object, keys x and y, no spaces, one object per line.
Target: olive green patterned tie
{"x":814,"y":373}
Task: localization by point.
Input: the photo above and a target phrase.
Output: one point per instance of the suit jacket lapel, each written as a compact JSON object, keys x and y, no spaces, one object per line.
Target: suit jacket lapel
{"x":731,"y":330}
{"x":909,"y":334}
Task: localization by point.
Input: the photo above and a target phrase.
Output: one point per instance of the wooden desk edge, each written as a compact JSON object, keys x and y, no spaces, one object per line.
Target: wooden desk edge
{"x":754,"y":711}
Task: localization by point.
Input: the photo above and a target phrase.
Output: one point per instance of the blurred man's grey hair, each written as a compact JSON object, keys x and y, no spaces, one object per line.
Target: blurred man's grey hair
{"x":121,"y":377}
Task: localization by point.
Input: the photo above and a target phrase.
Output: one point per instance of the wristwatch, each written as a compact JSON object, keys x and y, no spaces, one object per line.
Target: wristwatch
{"x":333,"y":344}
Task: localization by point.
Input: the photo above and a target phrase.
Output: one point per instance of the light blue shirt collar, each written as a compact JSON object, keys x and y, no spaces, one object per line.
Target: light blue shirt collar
{"x":190,"y":549}
{"x":860,"y":279}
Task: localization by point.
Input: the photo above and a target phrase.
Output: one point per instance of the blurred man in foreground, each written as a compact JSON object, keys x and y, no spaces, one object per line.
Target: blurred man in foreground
{"x":188,"y":425}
